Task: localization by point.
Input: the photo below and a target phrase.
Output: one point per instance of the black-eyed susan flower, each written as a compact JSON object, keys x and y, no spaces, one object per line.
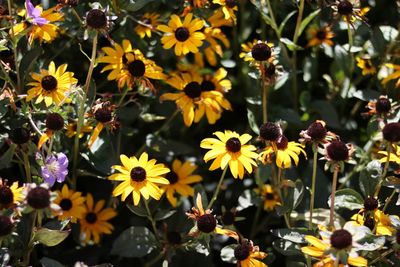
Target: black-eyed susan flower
{"x":94,"y":221}
{"x":10,"y":196}
{"x":341,"y":245}
{"x":230,"y":149}
{"x":216,"y":81}
{"x":378,"y":221}
{"x":139,"y":177}
{"x":180,"y":178}
{"x":383,"y":106}
{"x":20,"y":135}
{"x":39,"y":24}
{"x":395,"y":75}
{"x":391,"y":132}
{"x":51,"y":85}
{"x":185,"y":36}
{"x":248,"y":255}
{"x":206,"y":222}
{"x":99,"y":18}
{"x":284,"y":152}
{"x":366,"y":66}
{"x":394,"y":155}
{"x":337,"y":153}
{"x":270,"y":197}
{"x":217,"y":19}
{"x":257,"y":51}
{"x":39,"y":198}
{"x":316,"y":133}
{"x":148,"y":23}
{"x":228,"y":7}
{"x":72,"y":126}
{"x":216,"y":42}
{"x":319,"y":36}
{"x":71,"y":204}
{"x":270,"y":132}
{"x":350,"y":10}
{"x":54,"y":123}
{"x":114,"y":58}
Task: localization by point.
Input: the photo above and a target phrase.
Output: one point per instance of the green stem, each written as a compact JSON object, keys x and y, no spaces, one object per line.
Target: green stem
{"x":332,"y":210}
{"x":27,"y":167}
{"x":150,"y":217}
{"x":286,"y":216}
{"x":77,"y":16}
{"x":18,"y":88}
{"x":123,"y":96}
{"x":264,"y":88}
{"x":50,"y":145}
{"x":389,"y":200}
{"x":81,"y":111}
{"x":385,"y":169}
{"x":381,"y":256}
{"x":214,"y":197}
{"x":259,"y":208}
{"x":313,"y":179}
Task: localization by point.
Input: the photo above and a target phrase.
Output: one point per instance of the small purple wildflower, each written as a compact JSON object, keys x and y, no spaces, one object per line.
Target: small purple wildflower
{"x":34,"y":14}
{"x":55,"y":168}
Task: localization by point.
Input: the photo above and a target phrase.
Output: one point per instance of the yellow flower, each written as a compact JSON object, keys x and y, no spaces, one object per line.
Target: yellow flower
{"x":271,"y":197}
{"x":139,"y":177}
{"x":319,"y":36}
{"x":214,"y":48}
{"x":71,"y":129}
{"x":51,"y":85}
{"x":151,"y":22}
{"x":185,"y":36}
{"x":257,"y":51}
{"x":382,"y":222}
{"x":94,"y":221}
{"x":248,"y":255}
{"x":284,"y":152}
{"x":180,"y":178}
{"x":71,"y":204}
{"x":128,"y":65}
{"x":394,"y":157}
{"x":218,"y":19}
{"x":46,"y":32}
{"x":230,"y":148}
{"x":366,"y":66}
{"x":228,"y":8}
{"x":216,"y":81}
{"x":350,"y":10}
{"x":10,"y":196}
{"x":394,"y":75}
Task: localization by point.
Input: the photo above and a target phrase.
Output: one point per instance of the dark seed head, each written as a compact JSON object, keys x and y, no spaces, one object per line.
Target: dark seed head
{"x":38,"y":198}
{"x":20,"y":135}
{"x":66,"y":204}
{"x":317,"y":131}
{"x":345,"y":8}
{"x":172,"y":177}
{"x":261,"y":52}
{"x":206,"y":223}
{"x":207,"y":86}
{"x":282,"y":143}
{"x":269,"y":196}
{"x":138,"y":174}
{"x":233,"y":145}
{"x":137,"y":68}
{"x":103,"y":115}
{"x":370,"y":204}
{"x":383,"y":105}
{"x":54,"y":122}
{"x":341,"y":239}
{"x":270,"y":131}
{"x":6,"y":225}
{"x":242,"y":251}
{"x":228,"y":217}
{"x":391,"y":132}
{"x":337,"y":150}
{"x":370,"y":223}
{"x":321,"y":34}
{"x":96,"y":19}
{"x":182,"y":34}
{"x":174,"y":237}
{"x":231,"y":3}
{"x":6,"y":196}
{"x":49,"y":83}
{"x":193,"y":90}
{"x":91,"y":217}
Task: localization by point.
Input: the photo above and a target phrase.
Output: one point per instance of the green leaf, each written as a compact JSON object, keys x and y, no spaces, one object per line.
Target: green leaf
{"x":307,"y":20}
{"x":295,"y":235}
{"x":290,"y":45}
{"x":136,"y":241}
{"x":287,"y":248}
{"x":369,"y":177}
{"x":5,"y":160}
{"x":347,"y":199}
{"x":227,"y":254}
{"x":49,"y":237}
{"x":371,"y":242}
{"x":252,"y":121}
{"x":163,"y":214}
{"x":47,"y":262}
{"x":28,"y":60}
{"x":283,"y":23}
{"x":138,"y":210}
{"x":247,"y":199}
{"x":136,"y":5}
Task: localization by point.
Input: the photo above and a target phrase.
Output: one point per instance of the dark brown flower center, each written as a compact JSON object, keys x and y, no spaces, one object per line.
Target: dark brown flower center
{"x":182,"y":34}
{"x":6,"y":196}
{"x":103,"y":115}
{"x":261,"y":52}
{"x":282,"y":143}
{"x":231,"y":3}
{"x":172,"y":177}
{"x":20,"y":135}
{"x":370,"y":203}
{"x":391,"y":132}
{"x":66,"y":204}
{"x":242,"y":251}
{"x":91,"y":217}
{"x":38,"y":198}
{"x":137,"y":68}
{"x":341,"y":239}
{"x":49,"y":83}
{"x":207,"y":86}
{"x":317,"y":131}
{"x":337,"y":150}
{"x":345,"y":8}
{"x":192,"y":90}
{"x":233,"y":145}
{"x":6,"y":225}
{"x":269,"y":196}
{"x":321,"y":34}
{"x":138,"y":174}
{"x":54,"y":122}
{"x":206,"y":223}
{"x":96,"y":19}
{"x":270,"y":131}
{"x":383,"y":105}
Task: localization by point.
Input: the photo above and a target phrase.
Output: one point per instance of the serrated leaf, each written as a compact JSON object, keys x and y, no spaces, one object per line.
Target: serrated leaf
{"x":49,"y":237}
{"x":136,"y":241}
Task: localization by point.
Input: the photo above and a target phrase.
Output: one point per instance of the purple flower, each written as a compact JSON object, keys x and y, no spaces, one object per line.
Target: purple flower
{"x":55,"y":168}
{"x":34,"y":14}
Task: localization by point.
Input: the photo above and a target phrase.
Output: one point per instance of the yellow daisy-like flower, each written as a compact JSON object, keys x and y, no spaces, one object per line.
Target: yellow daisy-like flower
{"x":51,"y":85}
{"x":180,"y":178}
{"x":350,"y":10}
{"x":394,"y":157}
{"x":257,"y":51}
{"x":185,"y":36}
{"x":44,"y":32}
{"x":382,"y":222}
{"x":71,"y":204}
{"x":230,"y":148}
{"x":71,"y":129}
{"x":217,"y":81}
{"x":366,"y":66}
{"x":150,"y":22}
{"x":395,"y":75}
{"x":214,"y":38}
{"x":10,"y":196}
{"x":319,"y":36}
{"x":94,"y":221}
{"x":270,"y":196}
{"x":193,"y":101}
{"x":217,"y":19}
{"x":248,"y":255}
{"x":228,"y":8}
{"x":284,"y":152}
{"x":139,"y":177}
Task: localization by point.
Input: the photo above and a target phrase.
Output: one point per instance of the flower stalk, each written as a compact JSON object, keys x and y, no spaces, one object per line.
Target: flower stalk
{"x":216,"y":192}
{"x":332,"y":209}
{"x":313,"y":180}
